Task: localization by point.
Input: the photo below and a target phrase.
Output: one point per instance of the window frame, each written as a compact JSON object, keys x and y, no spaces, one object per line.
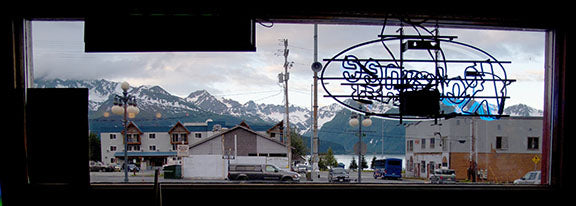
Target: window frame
{"x":554,"y":125}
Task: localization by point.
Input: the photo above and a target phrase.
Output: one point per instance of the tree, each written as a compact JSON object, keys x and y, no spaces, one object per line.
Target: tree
{"x":353,"y":164}
{"x":364,"y":163}
{"x":298,"y":147}
{"x":94,"y":152}
{"x":327,"y":160}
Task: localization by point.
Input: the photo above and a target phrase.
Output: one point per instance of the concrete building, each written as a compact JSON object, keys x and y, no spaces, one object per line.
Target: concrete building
{"x":503,"y":150}
{"x":153,"y":146}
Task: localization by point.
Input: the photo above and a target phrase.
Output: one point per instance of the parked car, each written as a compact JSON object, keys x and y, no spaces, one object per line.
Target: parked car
{"x":338,"y":174}
{"x":263,"y":172}
{"x":302,"y":168}
{"x":132,"y":167}
{"x":532,"y":177}
{"x":110,"y":168}
{"x":96,"y":166}
{"x":117,"y":167}
{"x":442,"y":176}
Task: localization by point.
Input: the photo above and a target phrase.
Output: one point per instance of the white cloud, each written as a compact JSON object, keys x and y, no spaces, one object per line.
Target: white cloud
{"x":58,"y":53}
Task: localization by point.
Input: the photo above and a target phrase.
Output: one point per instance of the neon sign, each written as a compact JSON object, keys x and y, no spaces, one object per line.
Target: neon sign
{"x":415,"y":73}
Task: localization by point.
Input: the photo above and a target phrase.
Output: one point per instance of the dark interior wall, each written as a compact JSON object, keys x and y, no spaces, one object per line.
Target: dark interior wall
{"x":57,"y":136}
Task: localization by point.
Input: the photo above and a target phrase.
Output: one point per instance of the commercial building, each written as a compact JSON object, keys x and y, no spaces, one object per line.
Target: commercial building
{"x":497,"y":151}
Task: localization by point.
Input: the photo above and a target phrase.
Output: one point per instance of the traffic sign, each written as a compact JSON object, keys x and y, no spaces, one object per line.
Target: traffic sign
{"x":535,"y":159}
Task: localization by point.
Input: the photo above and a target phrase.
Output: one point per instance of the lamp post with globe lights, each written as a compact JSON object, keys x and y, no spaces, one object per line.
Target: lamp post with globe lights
{"x":353,"y":122}
{"x":125,"y":105}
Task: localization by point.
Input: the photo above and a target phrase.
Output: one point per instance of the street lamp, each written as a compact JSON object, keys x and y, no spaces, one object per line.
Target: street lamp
{"x":125,"y":105}
{"x":366,"y":122}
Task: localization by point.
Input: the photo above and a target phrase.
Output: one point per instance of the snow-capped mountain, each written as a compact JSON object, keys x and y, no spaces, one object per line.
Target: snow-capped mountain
{"x":299,"y":117}
{"x":522,"y":110}
{"x":150,"y":99}
{"x":99,"y":91}
{"x":153,"y":100}
{"x":200,"y":105}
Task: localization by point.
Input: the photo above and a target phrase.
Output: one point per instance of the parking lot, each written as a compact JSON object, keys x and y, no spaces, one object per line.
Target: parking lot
{"x":148,"y":176}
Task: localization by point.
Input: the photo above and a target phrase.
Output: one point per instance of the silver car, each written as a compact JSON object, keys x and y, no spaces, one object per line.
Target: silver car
{"x":532,"y":177}
{"x":442,"y":176}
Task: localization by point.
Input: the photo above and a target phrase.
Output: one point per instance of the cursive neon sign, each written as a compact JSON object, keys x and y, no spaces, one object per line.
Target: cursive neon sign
{"x":419,"y":66}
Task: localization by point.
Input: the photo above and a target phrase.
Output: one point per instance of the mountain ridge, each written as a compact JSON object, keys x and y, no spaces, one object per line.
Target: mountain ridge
{"x":160,"y":107}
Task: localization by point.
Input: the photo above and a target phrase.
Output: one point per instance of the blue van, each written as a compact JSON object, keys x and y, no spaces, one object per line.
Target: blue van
{"x":390,"y":168}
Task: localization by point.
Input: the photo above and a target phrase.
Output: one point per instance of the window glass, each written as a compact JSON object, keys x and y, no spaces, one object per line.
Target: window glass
{"x":270,"y":168}
{"x":242,"y":93}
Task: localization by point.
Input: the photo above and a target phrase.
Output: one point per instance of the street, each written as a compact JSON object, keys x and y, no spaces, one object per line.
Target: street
{"x":148,"y":176}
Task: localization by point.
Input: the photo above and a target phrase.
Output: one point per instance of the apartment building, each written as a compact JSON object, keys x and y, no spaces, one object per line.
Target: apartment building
{"x":151,"y":146}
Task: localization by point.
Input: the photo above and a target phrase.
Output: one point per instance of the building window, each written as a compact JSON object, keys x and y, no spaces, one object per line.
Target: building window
{"x":501,"y":143}
{"x":133,"y":138}
{"x":151,"y":136}
{"x":178,"y":138}
{"x":198,"y":135}
{"x":432,"y":143}
{"x":112,"y":148}
{"x":112,"y":136}
{"x":152,"y":147}
{"x":133,"y":147}
{"x":533,"y":143}
{"x":423,"y":166}
{"x":410,"y":146}
{"x":423,"y":146}
{"x":444,"y":144}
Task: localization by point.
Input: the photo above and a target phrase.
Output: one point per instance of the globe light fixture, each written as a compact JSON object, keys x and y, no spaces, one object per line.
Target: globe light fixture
{"x":132,"y":109}
{"x":353,"y":122}
{"x":125,"y":86}
{"x":116,"y":109}
{"x":367,"y":122}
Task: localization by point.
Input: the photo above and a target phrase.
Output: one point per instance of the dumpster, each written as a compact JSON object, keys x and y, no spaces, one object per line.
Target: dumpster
{"x":173,"y":172}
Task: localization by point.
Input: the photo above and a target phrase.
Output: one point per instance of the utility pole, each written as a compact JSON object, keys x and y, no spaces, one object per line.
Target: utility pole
{"x":473,"y":151}
{"x":316,"y":67}
{"x":287,"y":122}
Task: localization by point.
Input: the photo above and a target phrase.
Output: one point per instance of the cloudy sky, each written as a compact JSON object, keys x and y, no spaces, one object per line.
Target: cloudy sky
{"x":59,"y":53}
